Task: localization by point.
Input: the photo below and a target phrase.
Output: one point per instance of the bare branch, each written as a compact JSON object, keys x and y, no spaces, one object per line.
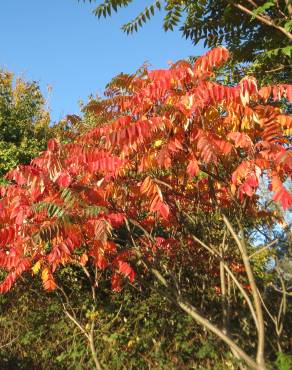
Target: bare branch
{"x":92,"y":283}
{"x":263,"y":248}
{"x":289,"y":6}
{"x":176,"y":298}
{"x":257,"y":302}
{"x":233,"y":277}
{"x":230,"y":273}
{"x":190,"y":310}
{"x":267,"y":310}
{"x":88,"y":335}
{"x":9,"y":343}
{"x":75,"y":321}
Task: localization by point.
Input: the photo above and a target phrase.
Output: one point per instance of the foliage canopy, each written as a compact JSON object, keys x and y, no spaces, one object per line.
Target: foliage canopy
{"x":169,"y":147}
{"x":257,"y":32}
{"x":24,"y":121}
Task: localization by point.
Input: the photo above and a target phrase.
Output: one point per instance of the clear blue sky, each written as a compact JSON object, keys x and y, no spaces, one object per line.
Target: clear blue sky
{"x":60,"y":43}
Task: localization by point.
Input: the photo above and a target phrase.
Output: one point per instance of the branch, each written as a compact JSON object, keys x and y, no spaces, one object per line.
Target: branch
{"x":10,"y":342}
{"x":223,"y":289}
{"x":175,"y":298}
{"x":263,"y":19}
{"x":277,"y":69}
{"x":233,"y":277}
{"x":229,"y":272}
{"x":74,"y":320}
{"x":92,"y":283}
{"x":279,"y":290}
{"x":89,"y":336}
{"x":257,"y":302}
{"x":190,"y":310}
{"x":289,"y":6}
{"x":92,"y":346}
{"x":263,"y":248}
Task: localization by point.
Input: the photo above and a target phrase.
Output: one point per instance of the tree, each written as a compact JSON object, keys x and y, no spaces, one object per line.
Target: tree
{"x":256,"y":32}
{"x":24,"y":131}
{"x":24,"y":121}
{"x":169,"y":147}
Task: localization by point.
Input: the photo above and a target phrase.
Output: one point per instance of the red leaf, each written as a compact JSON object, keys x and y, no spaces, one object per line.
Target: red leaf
{"x":116,"y":282}
{"x":193,"y":168}
{"x":53,"y":145}
{"x":159,"y":206}
{"x":100,"y":261}
{"x":164,"y":210}
{"x":6,"y":235}
{"x":116,"y":219}
{"x":126,"y":270}
{"x":64,"y":180}
{"x":213,"y":58}
{"x":281,"y":194}
{"x":241,"y":140}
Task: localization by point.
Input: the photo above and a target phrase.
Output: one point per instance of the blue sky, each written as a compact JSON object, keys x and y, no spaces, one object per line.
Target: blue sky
{"x":59,"y":43}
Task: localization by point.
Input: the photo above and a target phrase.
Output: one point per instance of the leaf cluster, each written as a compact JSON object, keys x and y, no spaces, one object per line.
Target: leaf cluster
{"x":258,"y":33}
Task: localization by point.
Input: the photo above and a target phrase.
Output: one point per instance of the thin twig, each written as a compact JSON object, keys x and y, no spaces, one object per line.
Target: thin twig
{"x":9,"y":343}
{"x":233,"y":277}
{"x":230,"y":273}
{"x":263,"y":248}
{"x":74,"y":320}
{"x":263,"y":19}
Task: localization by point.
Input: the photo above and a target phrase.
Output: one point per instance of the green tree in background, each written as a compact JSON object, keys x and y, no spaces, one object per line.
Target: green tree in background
{"x":257,"y":32}
{"x":24,"y":121}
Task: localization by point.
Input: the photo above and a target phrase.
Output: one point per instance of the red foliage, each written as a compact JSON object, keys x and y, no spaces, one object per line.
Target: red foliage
{"x":178,"y":140}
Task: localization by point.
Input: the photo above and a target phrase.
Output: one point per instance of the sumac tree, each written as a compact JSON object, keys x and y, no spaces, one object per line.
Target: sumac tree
{"x":168,"y":145}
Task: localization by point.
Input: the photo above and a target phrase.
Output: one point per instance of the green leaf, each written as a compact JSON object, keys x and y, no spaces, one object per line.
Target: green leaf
{"x":147,"y":13}
{"x":108,"y":9}
{"x":263,"y":8}
{"x":284,"y":362}
{"x":287,"y":51}
{"x":288,"y":26}
{"x":273,"y":52}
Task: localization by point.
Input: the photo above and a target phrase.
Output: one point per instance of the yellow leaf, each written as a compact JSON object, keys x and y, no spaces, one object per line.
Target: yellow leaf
{"x":83,"y":259}
{"x":130,"y":343}
{"x":36,"y":267}
{"x":157,"y":143}
{"x":245,"y":123}
{"x":45,"y":274}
